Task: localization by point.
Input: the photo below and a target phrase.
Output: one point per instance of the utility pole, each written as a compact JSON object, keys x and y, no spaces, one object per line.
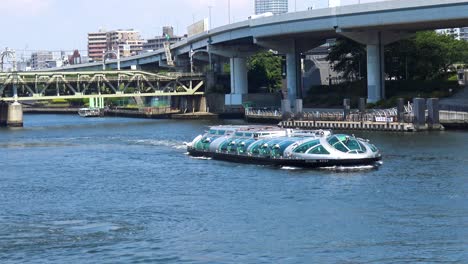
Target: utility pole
{"x":209,"y":15}
{"x":229,"y":11}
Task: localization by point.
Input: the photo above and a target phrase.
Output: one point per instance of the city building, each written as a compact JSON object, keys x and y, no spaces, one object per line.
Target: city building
{"x":273,"y":6}
{"x":457,"y":33}
{"x":39,"y":59}
{"x":97,"y":45}
{"x":158,"y":42}
{"x":128,"y":42}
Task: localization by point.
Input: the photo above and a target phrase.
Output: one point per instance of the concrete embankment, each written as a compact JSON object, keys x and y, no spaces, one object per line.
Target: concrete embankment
{"x":153,"y":113}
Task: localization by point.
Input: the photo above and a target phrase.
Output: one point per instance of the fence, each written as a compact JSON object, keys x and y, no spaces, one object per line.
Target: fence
{"x":453,"y":116}
{"x":384,"y":115}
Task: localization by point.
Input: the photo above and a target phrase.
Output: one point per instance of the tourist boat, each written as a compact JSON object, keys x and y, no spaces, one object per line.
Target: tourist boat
{"x":90,"y":112}
{"x":268,"y":145}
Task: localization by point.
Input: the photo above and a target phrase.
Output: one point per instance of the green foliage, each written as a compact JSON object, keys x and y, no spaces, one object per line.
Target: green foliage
{"x":349,"y":58}
{"x":59,"y":101}
{"x":425,"y":56}
{"x":264,"y":71}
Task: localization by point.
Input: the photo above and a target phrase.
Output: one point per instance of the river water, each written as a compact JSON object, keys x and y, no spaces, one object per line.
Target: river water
{"x":115,"y":190}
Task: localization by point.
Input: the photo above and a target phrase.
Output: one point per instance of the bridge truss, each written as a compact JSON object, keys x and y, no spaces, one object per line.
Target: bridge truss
{"x":28,"y":86}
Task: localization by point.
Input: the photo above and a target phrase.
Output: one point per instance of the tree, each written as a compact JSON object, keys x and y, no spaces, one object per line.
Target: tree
{"x":349,"y":58}
{"x":264,"y":71}
{"x":425,"y":56}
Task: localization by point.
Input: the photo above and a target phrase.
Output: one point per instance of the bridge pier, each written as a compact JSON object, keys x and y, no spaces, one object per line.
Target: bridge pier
{"x":239,"y":82}
{"x":294,"y":80}
{"x":375,"y":42}
{"x":11,"y":115}
{"x":3,"y":114}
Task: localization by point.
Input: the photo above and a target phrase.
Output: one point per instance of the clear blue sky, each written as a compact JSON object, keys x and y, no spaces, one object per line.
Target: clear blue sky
{"x":64,"y":24}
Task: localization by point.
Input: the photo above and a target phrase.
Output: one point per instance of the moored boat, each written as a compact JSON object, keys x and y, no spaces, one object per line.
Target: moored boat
{"x":283,"y":147}
{"x":90,"y":112}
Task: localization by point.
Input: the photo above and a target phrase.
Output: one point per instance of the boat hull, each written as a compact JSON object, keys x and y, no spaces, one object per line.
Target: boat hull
{"x":315,"y":163}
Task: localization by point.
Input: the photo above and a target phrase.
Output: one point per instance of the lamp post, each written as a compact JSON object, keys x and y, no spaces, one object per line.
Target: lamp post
{"x":229,"y":11}
{"x":209,"y":15}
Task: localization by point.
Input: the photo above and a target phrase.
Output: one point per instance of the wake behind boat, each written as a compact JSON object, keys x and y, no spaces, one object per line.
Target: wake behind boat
{"x":283,"y":147}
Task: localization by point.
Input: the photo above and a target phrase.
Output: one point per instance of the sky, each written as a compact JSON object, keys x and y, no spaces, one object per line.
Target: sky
{"x":63,"y":24}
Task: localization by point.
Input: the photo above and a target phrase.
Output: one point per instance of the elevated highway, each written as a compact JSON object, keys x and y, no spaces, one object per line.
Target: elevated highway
{"x":373,"y":24}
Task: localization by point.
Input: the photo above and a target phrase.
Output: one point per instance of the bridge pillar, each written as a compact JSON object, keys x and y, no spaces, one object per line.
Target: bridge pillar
{"x":375,"y":42}
{"x":239,"y":81}
{"x":375,"y":73}
{"x":294,"y":79}
{"x":3,"y":114}
{"x":15,"y":115}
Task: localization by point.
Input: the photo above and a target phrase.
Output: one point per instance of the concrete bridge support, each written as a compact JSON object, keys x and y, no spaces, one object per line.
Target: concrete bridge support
{"x":375,"y":42}
{"x":11,"y":115}
{"x":3,"y":114}
{"x":294,"y":80}
{"x":292,"y":48}
{"x":239,"y":81}
{"x":375,"y":73}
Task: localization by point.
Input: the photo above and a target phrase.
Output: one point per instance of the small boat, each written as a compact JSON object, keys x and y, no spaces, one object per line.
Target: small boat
{"x":90,"y":112}
{"x":268,"y":145}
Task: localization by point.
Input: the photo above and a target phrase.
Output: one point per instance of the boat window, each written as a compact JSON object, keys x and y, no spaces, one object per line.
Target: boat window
{"x":213,"y":132}
{"x":319,"y":150}
{"x":373,"y":148}
{"x":204,"y":143}
{"x":224,"y":146}
{"x":278,"y":149}
{"x":248,"y":134}
{"x":243,"y":145}
{"x":254,"y":149}
{"x":347,"y":144}
{"x":306,"y":146}
{"x":221,"y":132}
{"x":239,"y":134}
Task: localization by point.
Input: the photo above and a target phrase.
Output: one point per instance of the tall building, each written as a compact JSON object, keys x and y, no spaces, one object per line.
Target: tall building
{"x":273,"y":6}
{"x":457,"y":33}
{"x":97,"y":44}
{"x":158,"y":42}
{"x":40,"y":59}
{"x":128,"y":42}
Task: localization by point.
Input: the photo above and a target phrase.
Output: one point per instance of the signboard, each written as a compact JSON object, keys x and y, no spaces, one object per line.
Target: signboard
{"x":383,"y":119}
{"x":198,"y":27}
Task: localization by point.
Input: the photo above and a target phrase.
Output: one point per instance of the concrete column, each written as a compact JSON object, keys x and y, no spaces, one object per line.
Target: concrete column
{"x":362,"y":105}
{"x":294,"y":76}
{"x":15,"y":115}
{"x":3,"y":114}
{"x":203,"y":105}
{"x":239,"y":80}
{"x":375,"y":73}
{"x":419,"y":113}
{"x":286,"y":108}
{"x":433,"y":112}
{"x":401,"y":110}
{"x":375,"y":42}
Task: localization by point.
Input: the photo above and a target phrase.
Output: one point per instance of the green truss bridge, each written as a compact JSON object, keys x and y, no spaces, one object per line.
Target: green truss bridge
{"x":33,"y":86}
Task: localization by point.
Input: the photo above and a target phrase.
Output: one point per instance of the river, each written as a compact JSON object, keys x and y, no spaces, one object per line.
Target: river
{"x":116,"y":190}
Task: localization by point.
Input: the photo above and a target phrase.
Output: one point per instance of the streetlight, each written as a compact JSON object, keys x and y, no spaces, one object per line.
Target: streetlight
{"x":229,"y":11}
{"x":209,"y":17}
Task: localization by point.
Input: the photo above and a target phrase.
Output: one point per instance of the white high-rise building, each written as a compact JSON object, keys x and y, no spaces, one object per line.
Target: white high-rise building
{"x":457,"y":33}
{"x":274,"y":6}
